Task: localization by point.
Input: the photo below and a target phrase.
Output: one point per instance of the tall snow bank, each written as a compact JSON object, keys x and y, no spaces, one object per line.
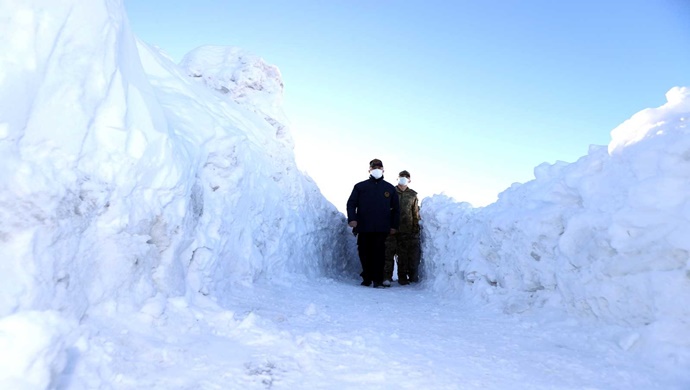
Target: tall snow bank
{"x":124,"y":179}
{"x":604,"y":237}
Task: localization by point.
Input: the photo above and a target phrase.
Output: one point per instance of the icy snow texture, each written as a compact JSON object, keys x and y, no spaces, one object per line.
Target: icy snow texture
{"x":607,"y":236}
{"x":34,"y":350}
{"x":245,"y":78}
{"x":123,"y":178}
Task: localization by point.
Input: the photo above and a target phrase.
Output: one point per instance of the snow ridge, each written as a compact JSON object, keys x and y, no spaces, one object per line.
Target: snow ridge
{"x":246,"y":78}
{"x":126,"y":182}
{"x":604,"y":237}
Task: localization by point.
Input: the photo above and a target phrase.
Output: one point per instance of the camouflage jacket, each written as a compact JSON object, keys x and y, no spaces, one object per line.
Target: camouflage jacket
{"x":409,"y":210}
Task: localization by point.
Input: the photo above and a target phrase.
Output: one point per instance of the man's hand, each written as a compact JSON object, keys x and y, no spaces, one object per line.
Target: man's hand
{"x":352,"y":224}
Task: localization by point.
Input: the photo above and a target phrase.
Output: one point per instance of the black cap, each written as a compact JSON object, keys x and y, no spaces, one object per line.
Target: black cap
{"x":404,"y":174}
{"x":375,"y":163}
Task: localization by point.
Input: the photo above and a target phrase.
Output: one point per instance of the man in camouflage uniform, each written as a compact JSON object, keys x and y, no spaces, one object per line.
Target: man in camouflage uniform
{"x":404,"y":244}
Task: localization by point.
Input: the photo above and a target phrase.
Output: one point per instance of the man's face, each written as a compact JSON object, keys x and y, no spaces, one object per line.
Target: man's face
{"x":375,"y":167}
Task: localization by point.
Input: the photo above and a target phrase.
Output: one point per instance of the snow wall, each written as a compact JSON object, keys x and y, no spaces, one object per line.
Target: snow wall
{"x":125,"y":178}
{"x":606,"y":237}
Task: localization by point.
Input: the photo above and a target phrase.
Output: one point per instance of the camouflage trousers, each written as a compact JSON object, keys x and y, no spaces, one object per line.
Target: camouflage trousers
{"x":406,"y":247}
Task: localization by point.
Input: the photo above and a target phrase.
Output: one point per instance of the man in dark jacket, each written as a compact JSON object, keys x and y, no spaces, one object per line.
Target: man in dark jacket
{"x":373,"y":212}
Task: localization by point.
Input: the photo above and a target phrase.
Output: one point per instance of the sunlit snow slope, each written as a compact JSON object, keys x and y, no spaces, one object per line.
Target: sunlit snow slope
{"x":606,"y":237}
{"x":123,"y":177}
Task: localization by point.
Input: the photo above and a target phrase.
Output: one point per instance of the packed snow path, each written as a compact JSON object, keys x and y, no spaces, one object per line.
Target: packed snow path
{"x":316,"y":334}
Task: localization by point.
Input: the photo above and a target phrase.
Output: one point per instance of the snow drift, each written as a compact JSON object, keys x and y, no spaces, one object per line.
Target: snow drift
{"x":124,"y":179}
{"x":606,"y":237}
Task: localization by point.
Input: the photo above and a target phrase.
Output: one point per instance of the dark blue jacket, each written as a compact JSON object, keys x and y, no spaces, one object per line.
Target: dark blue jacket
{"x":374,"y":204}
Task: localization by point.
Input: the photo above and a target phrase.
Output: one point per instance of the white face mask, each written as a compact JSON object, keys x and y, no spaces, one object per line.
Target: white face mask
{"x":403,"y":181}
{"x":376,"y":173}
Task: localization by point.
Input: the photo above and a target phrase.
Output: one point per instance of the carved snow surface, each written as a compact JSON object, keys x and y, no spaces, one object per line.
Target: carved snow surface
{"x":244,"y":78}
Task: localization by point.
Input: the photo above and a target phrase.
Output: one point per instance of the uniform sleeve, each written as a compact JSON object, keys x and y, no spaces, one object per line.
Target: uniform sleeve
{"x":395,"y":210}
{"x":415,"y":214}
{"x":352,"y":204}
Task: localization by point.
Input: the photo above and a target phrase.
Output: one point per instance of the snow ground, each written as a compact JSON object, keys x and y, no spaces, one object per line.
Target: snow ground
{"x":326,"y":333}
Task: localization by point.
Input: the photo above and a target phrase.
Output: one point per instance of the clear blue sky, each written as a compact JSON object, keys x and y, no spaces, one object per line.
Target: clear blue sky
{"x":469,"y":96}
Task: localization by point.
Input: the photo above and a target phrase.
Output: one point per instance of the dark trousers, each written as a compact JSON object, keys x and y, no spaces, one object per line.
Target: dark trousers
{"x":406,"y":247}
{"x":372,"y":255}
